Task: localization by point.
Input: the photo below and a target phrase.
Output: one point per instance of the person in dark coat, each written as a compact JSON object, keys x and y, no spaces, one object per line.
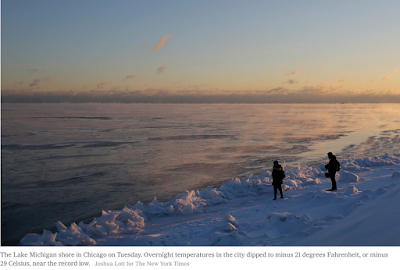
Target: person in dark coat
{"x":277,"y":175}
{"x":332,"y":167}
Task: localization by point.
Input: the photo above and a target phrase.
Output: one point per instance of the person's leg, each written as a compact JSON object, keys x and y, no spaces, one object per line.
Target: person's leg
{"x":280,"y":190}
{"x":333,"y":180}
{"x":334,"y":187}
{"x":275,"y":191}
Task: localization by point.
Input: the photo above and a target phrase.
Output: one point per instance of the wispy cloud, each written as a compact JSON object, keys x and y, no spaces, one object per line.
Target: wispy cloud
{"x":344,"y":80}
{"x":32,"y":71}
{"x":278,"y":91}
{"x":196,"y":86}
{"x":322,"y":89}
{"x":161,"y":42}
{"x":293,"y":73}
{"x":389,"y":76}
{"x":101,"y":85}
{"x":161,"y":69}
{"x":34,"y":83}
{"x":293,"y":81}
{"x":130,"y":77}
{"x":316,"y":67}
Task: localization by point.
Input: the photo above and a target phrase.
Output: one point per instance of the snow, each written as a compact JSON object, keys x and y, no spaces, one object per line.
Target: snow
{"x":241,"y":212}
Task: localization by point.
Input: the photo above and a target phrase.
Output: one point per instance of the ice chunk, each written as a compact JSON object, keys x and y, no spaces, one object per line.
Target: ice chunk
{"x":396,"y":174}
{"x":346,"y":176}
{"x":230,"y":219}
{"x":225,"y":239}
{"x":351,"y":189}
{"x":46,"y":239}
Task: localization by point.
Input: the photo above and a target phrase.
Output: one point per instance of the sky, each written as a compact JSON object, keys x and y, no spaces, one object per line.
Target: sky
{"x":200,"y":51}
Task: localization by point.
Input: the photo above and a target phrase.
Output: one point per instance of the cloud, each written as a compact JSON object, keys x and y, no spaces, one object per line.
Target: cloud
{"x":389,"y":76}
{"x":161,"y":69}
{"x":161,"y":42}
{"x":301,"y":62}
{"x":278,"y":91}
{"x":47,"y":79}
{"x":196,"y":86}
{"x":101,"y":85}
{"x":293,"y":73}
{"x":34,"y":83}
{"x":292,"y":81}
{"x":130,"y":77}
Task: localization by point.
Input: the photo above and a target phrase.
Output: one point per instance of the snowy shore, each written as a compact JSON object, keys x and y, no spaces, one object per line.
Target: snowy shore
{"x":362,"y":212}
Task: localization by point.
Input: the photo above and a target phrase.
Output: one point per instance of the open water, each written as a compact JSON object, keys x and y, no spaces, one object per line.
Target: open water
{"x":67,"y":162}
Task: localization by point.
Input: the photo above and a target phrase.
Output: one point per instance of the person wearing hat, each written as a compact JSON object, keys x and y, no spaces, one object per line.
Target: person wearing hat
{"x":277,"y":175}
{"x":333,"y":166}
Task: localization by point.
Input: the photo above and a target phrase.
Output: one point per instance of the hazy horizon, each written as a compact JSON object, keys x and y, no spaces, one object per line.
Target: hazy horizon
{"x":190,"y":98}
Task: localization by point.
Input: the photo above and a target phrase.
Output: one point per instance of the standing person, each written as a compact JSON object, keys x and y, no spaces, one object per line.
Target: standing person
{"x":277,"y":175}
{"x":333,"y":166}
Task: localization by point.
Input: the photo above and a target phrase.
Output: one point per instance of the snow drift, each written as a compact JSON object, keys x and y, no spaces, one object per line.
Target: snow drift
{"x":241,"y":212}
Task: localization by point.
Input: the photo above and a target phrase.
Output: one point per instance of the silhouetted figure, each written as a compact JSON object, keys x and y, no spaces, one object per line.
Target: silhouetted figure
{"x":333,"y":166}
{"x":277,"y":175}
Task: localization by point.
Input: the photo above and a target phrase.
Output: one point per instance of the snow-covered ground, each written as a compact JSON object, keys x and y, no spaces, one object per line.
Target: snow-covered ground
{"x":362,"y":212}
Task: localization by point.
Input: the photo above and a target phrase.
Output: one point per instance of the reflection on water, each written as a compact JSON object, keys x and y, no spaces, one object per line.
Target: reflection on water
{"x":69,"y":161}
